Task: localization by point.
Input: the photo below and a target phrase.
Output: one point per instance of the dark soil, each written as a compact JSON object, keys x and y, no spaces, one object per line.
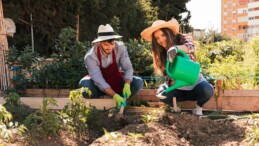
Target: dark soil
{"x":178,"y":129}
{"x":166,"y":129}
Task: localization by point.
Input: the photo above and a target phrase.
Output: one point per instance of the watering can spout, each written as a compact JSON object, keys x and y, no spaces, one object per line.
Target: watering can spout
{"x":184,"y":71}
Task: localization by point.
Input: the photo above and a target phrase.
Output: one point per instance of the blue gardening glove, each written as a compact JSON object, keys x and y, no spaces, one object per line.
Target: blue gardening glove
{"x":119,"y":100}
{"x":126,"y":90}
{"x":171,"y":53}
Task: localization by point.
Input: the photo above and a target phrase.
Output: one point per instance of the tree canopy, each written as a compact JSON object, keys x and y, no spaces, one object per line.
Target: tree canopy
{"x":128,"y":17}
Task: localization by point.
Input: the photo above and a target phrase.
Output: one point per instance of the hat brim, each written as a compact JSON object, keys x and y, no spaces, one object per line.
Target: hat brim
{"x":103,"y":38}
{"x":172,"y":25}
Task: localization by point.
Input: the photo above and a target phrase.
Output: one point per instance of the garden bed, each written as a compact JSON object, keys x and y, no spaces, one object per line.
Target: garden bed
{"x":228,"y":100}
{"x":159,"y":125}
{"x":168,"y":129}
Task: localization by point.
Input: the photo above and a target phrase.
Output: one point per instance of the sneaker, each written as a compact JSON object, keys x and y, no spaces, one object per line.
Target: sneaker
{"x":197,"y":111}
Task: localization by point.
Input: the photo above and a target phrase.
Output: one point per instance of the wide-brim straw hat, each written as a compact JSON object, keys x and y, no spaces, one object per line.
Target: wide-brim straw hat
{"x":172,"y":25}
{"x":106,"y":32}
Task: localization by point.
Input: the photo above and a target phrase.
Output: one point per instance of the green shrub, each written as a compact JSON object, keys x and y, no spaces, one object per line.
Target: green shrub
{"x":44,"y":122}
{"x":9,"y":129}
{"x":141,"y":57}
{"x":75,"y":113}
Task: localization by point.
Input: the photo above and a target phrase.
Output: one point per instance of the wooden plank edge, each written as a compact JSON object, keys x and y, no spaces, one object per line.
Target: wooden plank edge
{"x":36,"y":102}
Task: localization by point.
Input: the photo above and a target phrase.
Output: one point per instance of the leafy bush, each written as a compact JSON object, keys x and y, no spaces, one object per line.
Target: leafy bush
{"x":68,"y":67}
{"x":75,"y":113}
{"x":44,"y":122}
{"x":13,"y":104}
{"x":9,"y":129}
{"x":25,"y":62}
{"x":232,"y":61}
{"x":141,"y":57}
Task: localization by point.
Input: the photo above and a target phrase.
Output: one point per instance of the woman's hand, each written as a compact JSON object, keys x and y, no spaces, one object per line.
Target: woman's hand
{"x":171,"y":53}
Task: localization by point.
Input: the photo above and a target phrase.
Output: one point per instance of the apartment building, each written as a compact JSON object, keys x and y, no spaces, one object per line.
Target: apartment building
{"x":240,"y":18}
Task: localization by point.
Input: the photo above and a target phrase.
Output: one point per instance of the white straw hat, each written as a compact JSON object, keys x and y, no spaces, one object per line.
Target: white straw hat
{"x":172,"y":24}
{"x":106,"y":33}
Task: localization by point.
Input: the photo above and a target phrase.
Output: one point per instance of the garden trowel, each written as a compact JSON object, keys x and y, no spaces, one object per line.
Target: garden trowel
{"x":123,"y":106}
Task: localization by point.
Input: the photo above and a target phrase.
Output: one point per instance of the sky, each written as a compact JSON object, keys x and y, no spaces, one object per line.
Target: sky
{"x":206,"y":14}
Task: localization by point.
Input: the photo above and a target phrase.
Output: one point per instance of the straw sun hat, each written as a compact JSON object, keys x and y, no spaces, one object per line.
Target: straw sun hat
{"x":106,"y":32}
{"x":172,"y":24}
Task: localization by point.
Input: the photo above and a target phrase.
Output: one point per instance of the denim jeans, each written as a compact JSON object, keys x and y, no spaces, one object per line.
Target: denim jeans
{"x":201,"y":93}
{"x":135,"y":86}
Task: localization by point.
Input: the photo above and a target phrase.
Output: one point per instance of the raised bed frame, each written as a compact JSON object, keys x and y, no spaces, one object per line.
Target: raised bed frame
{"x":228,"y":100}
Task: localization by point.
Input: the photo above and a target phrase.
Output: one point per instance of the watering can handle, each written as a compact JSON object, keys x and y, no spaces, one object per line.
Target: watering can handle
{"x":181,"y":52}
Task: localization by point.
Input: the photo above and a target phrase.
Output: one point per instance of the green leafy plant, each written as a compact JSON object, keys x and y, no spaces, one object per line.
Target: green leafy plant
{"x":135,"y":136}
{"x":44,"y":122}
{"x":252,"y":136}
{"x":15,"y":107}
{"x":9,"y":129}
{"x":140,"y":56}
{"x":152,"y":116}
{"x":75,"y":113}
{"x":68,"y":67}
{"x":112,"y":136}
{"x":232,"y":61}
{"x":12,"y":99}
{"x":25,"y":61}
{"x":148,"y":118}
{"x":252,"y":133}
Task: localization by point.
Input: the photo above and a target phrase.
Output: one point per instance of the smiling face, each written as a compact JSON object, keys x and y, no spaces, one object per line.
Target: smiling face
{"x":107,"y":46}
{"x":161,"y":38}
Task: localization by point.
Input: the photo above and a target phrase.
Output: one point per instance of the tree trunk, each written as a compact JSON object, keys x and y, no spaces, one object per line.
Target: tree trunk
{"x":77,"y":27}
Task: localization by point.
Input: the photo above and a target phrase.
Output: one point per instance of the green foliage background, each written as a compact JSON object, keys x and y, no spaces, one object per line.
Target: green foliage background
{"x":233,"y":61}
{"x":128,"y":17}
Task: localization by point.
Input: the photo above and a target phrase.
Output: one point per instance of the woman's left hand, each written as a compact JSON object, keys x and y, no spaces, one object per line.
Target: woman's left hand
{"x":171,"y":53}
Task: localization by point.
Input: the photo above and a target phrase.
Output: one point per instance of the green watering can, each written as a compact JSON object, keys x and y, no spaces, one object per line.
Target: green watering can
{"x":184,"y":71}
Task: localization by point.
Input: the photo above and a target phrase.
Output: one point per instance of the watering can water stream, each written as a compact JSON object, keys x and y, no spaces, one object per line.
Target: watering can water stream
{"x":184,"y":71}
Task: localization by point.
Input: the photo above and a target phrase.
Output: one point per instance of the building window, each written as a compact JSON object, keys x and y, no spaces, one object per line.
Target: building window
{"x":242,"y":19}
{"x":242,"y":10}
{"x":251,"y":18}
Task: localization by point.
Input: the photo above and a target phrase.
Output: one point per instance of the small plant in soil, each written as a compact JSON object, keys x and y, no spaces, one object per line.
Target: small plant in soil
{"x":111,"y":136}
{"x":152,"y":116}
{"x":76,"y":112}
{"x":8,"y":129}
{"x":44,"y":122}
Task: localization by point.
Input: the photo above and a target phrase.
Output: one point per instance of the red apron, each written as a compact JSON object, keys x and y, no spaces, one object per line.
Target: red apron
{"x":111,"y":73}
